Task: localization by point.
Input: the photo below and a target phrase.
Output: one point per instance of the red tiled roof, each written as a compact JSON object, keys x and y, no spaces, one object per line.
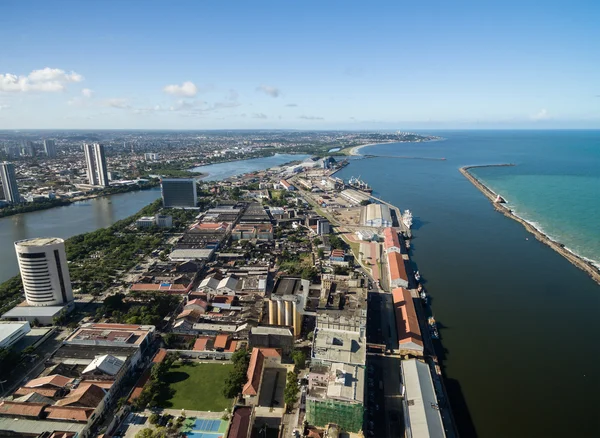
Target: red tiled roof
{"x":197,"y":302}
{"x":397,"y":268}
{"x":240,"y":422}
{"x":255,"y":368}
{"x":139,"y":386}
{"x":200,"y":344}
{"x":53,"y":380}
{"x":47,"y":392}
{"x":407,"y":323}
{"x":21,"y":409}
{"x":160,"y":356}
{"x":221,"y":341}
{"x":390,"y":238}
{"x":69,"y":413}
{"x":87,"y":396}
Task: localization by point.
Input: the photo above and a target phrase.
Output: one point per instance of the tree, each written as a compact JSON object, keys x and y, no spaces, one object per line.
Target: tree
{"x":151,"y":433}
{"x":154,"y":418}
{"x":299,"y":358}
{"x":321,"y":253}
{"x":365,"y":202}
{"x":236,"y":379}
{"x":317,"y":241}
{"x":290,"y":393}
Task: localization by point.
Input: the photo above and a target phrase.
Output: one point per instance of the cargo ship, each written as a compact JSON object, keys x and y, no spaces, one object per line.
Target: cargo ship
{"x":359,"y":184}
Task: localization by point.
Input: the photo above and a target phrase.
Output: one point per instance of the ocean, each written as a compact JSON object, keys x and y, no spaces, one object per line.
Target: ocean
{"x":519,"y":323}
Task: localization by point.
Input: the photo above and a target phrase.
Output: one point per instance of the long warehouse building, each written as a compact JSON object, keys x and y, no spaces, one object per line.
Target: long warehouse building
{"x":422,"y":416}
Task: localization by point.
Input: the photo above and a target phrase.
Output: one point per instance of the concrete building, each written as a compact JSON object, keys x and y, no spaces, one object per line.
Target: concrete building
{"x":377,"y":215}
{"x":354,"y":196}
{"x":50,"y":148}
{"x":9,"y":183}
{"x":179,"y":192}
{"x":158,"y":220}
{"x":422,"y":416}
{"x":151,"y":156}
{"x":323,"y":227}
{"x":272,"y":337}
{"x":336,"y":395}
{"x":95,"y":159}
{"x":44,"y":271}
{"x":286,"y":185}
{"x":12,"y":332}
{"x":163,"y":221}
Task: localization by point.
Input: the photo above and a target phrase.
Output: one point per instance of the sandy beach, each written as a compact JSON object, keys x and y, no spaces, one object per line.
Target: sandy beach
{"x":575,"y":259}
{"x":356,"y":149}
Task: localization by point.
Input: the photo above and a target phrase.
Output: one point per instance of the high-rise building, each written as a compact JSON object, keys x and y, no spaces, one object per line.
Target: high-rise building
{"x":9,"y":182}
{"x":44,"y":271}
{"x":27,"y":148}
{"x":96,"y":164}
{"x":50,"y":148}
{"x":179,"y":192}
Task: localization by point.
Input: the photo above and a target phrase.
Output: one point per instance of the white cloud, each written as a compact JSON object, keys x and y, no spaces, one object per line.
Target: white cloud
{"x":541,"y":115}
{"x":117,"y":103}
{"x":259,"y":116}
{"x":187,"y":89}
{"x":292,"y":105}
{"x":311,"y":118}
{"x":87,"y":93}
{"x":44,"y":80}
{"x":3,"y":107}
{"x":268,"y":90}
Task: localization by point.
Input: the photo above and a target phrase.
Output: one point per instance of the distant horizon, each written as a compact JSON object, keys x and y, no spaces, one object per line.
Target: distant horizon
{"x":299,"y":65}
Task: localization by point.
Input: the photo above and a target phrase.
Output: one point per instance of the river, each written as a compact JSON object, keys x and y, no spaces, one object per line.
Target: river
{"x":519,"y":323}
{"x":86,"y":216}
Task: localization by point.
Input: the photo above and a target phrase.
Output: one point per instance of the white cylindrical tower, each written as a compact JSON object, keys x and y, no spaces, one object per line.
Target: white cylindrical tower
{"x":44,"y":271}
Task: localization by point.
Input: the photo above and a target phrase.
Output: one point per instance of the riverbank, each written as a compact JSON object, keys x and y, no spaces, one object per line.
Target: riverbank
{"x":583,"y":264}
{"x":63,"y":202}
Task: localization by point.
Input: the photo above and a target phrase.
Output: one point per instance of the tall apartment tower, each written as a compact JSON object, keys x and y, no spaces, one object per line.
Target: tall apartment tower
{"x":27,"y":148}
{"x":9,"y":182}
{"x":50,"y":148}
{"x":179,"y":192}
{"x":96,"y":164}
{"x":44,"y":271}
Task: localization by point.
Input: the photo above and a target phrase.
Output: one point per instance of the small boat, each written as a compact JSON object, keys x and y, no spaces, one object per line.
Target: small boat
{"x":423,"y":295}
{"x":433,"y":328}
{"x":417,"y":276}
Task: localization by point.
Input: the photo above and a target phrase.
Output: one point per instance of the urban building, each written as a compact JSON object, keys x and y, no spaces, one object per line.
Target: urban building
{"x":422,"y":416}
{"x":323,"y":227}
{"x":27,"y":148}
{"x":50,"y":148}
{"x":396,"y":270}
{"x":158,"y":220}
{"x":44,"y":271}
{"x":272,"y":337}
{"x":151,"y":156}
{"x":12,"y":332}
{"x":410,"y":340}
{"x":179,"y":192}
{"x":96,"y":164}
{"x":9,"y":183}
{"x":377,"y":215}
{"x":335,"y":395}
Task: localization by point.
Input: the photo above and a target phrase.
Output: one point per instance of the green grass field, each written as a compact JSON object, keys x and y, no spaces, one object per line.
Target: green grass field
{"x":198,"y":386}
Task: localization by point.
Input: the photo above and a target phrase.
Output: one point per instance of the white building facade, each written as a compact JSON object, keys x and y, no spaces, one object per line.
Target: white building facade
{"x":44,"y":271}
{"x":96,"y":164}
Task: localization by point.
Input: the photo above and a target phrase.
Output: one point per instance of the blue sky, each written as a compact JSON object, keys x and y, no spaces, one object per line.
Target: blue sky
{"x":299,"y":64}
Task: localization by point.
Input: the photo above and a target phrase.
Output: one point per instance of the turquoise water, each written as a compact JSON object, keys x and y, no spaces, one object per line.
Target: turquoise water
{"x":565,"y":207}
{"x":519,"y":323}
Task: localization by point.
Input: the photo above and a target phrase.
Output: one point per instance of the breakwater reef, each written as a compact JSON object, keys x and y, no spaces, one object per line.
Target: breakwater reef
{"x":503,"y":208}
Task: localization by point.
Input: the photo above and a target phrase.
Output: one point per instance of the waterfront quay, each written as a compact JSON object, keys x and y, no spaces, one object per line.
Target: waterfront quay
{"x":400,"y":334}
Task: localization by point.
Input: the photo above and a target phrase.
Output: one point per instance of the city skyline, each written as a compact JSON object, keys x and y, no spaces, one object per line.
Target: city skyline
{"x":309,"y":66}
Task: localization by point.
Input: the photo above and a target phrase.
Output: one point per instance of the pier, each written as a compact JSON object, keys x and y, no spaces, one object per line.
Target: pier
{"x":582,"y":264}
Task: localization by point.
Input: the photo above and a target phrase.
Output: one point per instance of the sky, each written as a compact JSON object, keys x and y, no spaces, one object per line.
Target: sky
{"x":144,"y":64}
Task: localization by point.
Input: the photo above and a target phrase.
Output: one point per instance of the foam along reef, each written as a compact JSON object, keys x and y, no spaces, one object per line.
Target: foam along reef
{"x":500,"y":205}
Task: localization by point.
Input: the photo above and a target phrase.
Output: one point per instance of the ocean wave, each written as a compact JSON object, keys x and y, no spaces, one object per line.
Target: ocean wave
{"x":553,"y":238}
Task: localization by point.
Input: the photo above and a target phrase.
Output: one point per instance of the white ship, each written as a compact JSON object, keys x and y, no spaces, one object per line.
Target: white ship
{"x":407,"y":219}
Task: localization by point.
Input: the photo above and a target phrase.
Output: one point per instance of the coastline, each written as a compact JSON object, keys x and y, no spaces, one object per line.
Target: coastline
{"x":356,"y":149}
{"x":577,"y":260}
